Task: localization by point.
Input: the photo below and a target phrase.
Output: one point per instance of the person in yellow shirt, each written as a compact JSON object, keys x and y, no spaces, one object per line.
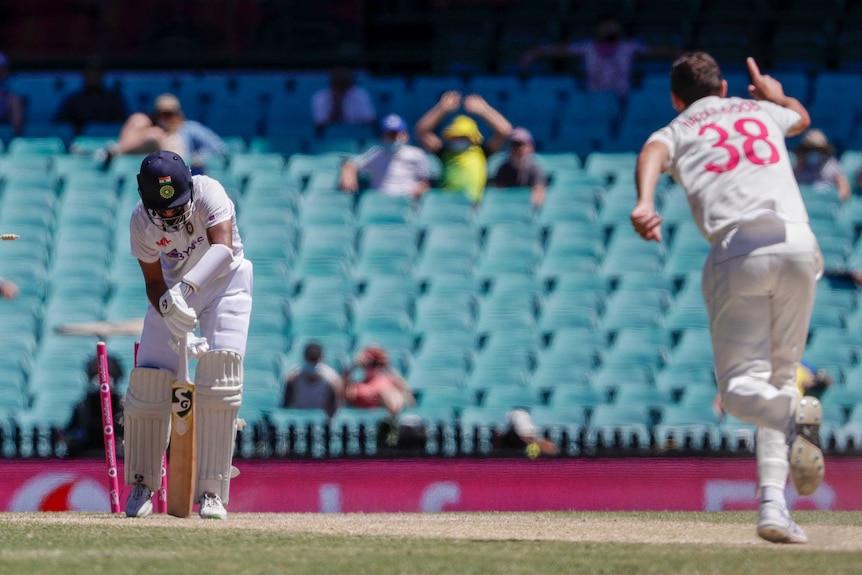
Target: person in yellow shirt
{"x":462,"y":148}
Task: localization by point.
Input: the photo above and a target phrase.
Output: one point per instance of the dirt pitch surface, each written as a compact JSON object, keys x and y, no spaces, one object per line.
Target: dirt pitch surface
{"x":672,"y":528}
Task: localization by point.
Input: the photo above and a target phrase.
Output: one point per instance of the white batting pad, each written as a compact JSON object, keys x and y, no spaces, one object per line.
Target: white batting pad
{"x":147,"y":424}
{"x":218,"y":392}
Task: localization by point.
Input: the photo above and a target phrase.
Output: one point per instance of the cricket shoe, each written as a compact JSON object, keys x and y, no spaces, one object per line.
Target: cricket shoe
{"x":140,"y":501}
{"x":775,"y":525}
{"x":211,"y":507}
{"x":806,"y":458}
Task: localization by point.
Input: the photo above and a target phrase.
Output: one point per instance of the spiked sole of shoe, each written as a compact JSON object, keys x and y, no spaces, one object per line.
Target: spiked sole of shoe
{"x":806,"y":458}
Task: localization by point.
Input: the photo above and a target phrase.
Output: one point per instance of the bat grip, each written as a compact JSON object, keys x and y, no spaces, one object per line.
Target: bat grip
{"x":183,"y":366}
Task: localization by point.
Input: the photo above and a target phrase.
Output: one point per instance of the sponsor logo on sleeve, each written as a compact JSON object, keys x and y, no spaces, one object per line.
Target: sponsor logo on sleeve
{"x":218,"y":214}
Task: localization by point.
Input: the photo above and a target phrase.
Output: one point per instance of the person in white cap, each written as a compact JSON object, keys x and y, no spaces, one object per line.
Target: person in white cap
{"x":817,"y":166}
{"x":760,"y":277}
{"x":520,"y":170}
{"x":393,"y":167}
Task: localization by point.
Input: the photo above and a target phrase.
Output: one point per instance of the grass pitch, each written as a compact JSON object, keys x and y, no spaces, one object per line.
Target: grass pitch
{"x":427,"y":544}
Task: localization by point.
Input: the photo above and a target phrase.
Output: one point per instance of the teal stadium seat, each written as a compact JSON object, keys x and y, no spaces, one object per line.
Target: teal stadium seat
{"x":688,"y":428}
{"x":478,"y":426}
{"x":626,"y":252}
{"x":246,"y":165}
{"x":634,"y":346}
{"x":693,"y":350}
{"x":353,"y":431}
{"x":444,"y":207}
{"x":735,"y":434}
{"x":374,"y":208}
{"x":625,"y":427}
{"x":299,"y":432}
{"x":677,"y":380}
{"x":512,"y":398}
{"x":35,"y":146}
{"x":849,"y":435}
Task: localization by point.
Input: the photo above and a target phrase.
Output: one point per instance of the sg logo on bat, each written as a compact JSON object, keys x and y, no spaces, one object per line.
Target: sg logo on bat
{"x":182,"y":407}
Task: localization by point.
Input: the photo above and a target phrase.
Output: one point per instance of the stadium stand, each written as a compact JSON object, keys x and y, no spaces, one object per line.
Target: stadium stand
{"x":561,"y":309}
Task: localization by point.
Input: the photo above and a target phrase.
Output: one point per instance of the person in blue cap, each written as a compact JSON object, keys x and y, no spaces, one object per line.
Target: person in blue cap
{"x":393,"y":167}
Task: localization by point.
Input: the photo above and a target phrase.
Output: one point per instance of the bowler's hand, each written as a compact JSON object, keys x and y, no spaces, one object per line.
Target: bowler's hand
{"x":763,"y":87}
{"x":647,"y":223}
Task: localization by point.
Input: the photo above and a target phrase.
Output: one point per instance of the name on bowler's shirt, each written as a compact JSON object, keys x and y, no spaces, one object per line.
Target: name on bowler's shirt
{"x":735,"y":108}
{"x":183,"y":254}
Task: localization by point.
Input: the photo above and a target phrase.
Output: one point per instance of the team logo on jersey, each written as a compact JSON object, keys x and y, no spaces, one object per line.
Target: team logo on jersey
{"x":167,"y":192}
{"x":163,"y":242}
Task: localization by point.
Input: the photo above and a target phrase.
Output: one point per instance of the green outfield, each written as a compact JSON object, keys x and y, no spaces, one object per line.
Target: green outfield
{"x":427,"y":544}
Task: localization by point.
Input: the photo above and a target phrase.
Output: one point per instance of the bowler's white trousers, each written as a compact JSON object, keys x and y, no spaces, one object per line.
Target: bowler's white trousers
{"x":759,"y":283}
{"x":224,"y":309}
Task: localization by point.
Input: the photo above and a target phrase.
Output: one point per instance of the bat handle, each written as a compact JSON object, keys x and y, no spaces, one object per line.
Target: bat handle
{"x":183,"y":366}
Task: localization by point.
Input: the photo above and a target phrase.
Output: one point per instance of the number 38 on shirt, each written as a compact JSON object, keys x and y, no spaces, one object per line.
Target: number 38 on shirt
{"x":754,"y":131}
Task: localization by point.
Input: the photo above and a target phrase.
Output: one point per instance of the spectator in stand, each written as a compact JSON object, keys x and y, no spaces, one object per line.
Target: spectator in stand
{"x":168,"y":129}
{"x":11,"y":104}
{"x":464,"y":157}
{"x":8,"y":289}
{"x":381,"y":384}
{"x":314,"y":384}
{"x":94,"y":103}
{"x":83,"y":435}
{"x":520,"y":170}
{"x":342,"y":102}
{"x":608,"y":57}
{"x":394,"y":167}
{"x":816,"y":165}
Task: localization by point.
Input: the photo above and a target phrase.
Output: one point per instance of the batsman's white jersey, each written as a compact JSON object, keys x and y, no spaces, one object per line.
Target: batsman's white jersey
{"x":180,"y":251}
{"x":759,"y":280}
{"x":224,"y":304}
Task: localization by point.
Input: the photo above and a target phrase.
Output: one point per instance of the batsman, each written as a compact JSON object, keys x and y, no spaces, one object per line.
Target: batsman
{"x":185,"y":237}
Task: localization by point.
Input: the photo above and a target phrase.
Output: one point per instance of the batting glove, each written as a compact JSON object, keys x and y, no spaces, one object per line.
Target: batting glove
{"x":178,"y":315}
{"x":196,"y":346}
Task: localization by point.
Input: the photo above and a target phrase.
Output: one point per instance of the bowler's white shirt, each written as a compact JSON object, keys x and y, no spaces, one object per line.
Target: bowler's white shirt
{"x":730,"y":156}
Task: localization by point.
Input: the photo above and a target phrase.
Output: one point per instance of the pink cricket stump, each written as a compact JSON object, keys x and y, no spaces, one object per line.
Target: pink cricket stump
{"x":108,"y":426}
{"x":160,"y":498}
{"x":162,"y":493}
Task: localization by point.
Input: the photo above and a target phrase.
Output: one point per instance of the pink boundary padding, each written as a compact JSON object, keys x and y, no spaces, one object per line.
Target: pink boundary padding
{"x":108,"y":427}
{"x":430,"y":485}
{"x":160,"y":497}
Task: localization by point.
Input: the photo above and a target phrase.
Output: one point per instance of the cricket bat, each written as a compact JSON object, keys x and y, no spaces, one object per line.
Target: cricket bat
{"x":183,"y":463}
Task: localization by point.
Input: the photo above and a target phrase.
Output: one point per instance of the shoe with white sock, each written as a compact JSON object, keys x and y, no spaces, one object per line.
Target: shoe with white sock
{"x":775,"y":525}
{"x":806,"y":458}
{"x":212,"y":507}
{"x":140,"y":501}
